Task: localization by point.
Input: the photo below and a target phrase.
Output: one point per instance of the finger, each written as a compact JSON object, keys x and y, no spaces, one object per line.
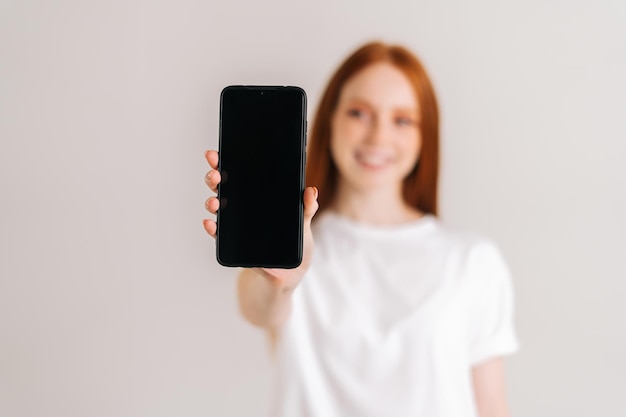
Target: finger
{"x":310,"y":205}
{"x":212,"y":158}
{"x":268,"y":274}
{"x":212,"y":179}
{"x":212,"y":204}
{"x":210,"y":226}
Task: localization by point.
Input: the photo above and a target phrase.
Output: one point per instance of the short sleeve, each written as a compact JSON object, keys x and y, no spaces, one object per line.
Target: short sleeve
{"x":492,"y":305}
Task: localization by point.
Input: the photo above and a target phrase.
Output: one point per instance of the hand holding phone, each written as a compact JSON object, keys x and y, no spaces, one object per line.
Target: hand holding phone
{"x":287,"y":278}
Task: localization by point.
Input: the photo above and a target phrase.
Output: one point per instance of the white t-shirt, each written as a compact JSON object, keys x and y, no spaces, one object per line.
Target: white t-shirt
{"x":389,"y":321}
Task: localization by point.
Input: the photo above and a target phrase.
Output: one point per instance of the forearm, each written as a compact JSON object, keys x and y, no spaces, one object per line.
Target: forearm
{"x":261,"y":302}
{"x":489,"y":388}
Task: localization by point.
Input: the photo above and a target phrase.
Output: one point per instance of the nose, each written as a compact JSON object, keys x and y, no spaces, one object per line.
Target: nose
{"x":378,"y":131}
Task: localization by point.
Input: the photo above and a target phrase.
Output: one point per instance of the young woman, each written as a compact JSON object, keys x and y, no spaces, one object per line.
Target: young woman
{"x":392,"y":313}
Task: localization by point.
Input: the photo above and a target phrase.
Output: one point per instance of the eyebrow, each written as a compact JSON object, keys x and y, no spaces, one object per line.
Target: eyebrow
{"x":361,"y":101}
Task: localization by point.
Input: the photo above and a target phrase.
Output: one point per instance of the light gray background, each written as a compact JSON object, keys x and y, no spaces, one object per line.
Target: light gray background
{"x":111,"y":302}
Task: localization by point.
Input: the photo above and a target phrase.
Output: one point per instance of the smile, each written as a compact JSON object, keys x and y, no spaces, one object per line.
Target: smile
{"x":373,"y":160}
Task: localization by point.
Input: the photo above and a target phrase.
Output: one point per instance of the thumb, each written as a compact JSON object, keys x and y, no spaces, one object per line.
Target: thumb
{"x":310,"y":205}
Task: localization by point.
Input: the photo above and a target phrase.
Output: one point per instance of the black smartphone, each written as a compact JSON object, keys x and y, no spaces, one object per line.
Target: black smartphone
{"x":262,"y":157}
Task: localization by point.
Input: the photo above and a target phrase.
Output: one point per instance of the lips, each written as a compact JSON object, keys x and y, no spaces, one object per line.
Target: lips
{"x":374,"y":159}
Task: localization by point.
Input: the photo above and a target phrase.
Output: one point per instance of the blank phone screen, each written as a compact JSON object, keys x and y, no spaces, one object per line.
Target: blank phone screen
{"x":262,"y":142}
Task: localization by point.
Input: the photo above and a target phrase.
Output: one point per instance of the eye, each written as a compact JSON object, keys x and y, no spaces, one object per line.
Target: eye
{"x":356,"y":113}
{"x":405,"y":121}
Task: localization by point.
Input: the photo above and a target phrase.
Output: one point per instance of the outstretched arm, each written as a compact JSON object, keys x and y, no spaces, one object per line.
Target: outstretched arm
{"x":265,"y":293}
{"x":489,"y":388}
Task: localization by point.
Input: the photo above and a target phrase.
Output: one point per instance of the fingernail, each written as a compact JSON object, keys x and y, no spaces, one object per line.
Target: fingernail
{"x":316,"y":192}
{"x":209,"y":175}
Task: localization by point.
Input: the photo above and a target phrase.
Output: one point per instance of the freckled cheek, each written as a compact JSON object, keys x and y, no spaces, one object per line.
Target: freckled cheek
{"x":347,"y":134}
{"x":412,"y":148}
{"x":341,"y":152}
{"x":339,"y":147}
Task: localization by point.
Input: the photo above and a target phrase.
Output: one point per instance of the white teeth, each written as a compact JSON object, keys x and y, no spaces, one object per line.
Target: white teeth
{"x":373,"y":159}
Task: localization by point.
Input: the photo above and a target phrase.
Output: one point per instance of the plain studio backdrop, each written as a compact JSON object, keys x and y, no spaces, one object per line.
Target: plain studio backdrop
{"x":111,"y":301}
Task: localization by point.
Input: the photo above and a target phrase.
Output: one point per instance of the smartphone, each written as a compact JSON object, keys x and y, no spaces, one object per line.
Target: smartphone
{"x":262,"y":157}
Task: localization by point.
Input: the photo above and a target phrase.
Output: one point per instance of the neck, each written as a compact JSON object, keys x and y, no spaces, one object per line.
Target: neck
{"x":383,"y":206}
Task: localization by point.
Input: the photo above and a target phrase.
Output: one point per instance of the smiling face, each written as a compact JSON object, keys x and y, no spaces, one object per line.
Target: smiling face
{"x":375,"y":135}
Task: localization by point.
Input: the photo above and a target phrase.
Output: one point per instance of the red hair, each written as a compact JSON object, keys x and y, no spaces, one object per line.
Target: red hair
{"x":420,"y":186}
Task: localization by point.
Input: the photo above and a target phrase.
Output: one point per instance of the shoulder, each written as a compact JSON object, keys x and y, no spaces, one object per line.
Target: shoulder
{"x":430,"y":236}
{"x":474,"y":254}
{"x":467,"y":241}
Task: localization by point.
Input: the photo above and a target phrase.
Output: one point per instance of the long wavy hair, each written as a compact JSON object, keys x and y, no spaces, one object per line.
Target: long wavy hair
{"x":420,"y":185}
